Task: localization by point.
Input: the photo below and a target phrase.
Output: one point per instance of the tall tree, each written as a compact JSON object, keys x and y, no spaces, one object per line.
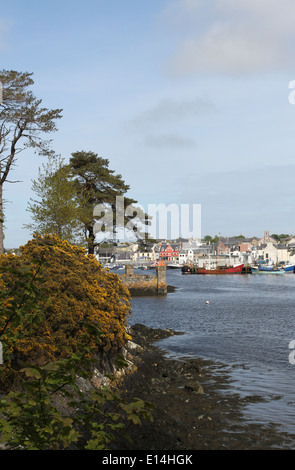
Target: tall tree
{"x":56,"y":211}
{"x":23,"y":123}
{"x":97,"y":184}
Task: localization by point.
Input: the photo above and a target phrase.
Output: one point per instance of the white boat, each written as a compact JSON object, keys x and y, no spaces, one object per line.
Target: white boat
{"x":174,"y":266}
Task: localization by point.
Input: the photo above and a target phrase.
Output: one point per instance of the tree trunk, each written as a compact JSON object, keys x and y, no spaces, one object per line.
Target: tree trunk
{"x":90,"y":240}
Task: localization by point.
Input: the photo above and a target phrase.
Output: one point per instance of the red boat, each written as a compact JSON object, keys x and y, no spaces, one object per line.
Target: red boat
{"x":218,"y":270}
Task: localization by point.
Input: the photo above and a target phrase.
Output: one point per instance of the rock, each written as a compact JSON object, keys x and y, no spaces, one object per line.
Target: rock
{"x":185,"y":415}
{"x":144,"y":335}
{"x":195,"y":387}
{"x":131,"y":345}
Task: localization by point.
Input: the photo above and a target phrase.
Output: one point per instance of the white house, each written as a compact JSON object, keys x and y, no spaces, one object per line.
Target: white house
{"x":274,"y":253}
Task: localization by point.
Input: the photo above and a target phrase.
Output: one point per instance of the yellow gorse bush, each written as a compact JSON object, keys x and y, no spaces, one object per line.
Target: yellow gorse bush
{"x":49,"y":293}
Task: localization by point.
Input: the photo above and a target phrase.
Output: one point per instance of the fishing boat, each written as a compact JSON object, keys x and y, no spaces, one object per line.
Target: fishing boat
{"x":267,"y":271}
{"x":265,"y":268}
{"x":174,"y":265}
{"x":289,"y":268}
{"x":216,"y":270}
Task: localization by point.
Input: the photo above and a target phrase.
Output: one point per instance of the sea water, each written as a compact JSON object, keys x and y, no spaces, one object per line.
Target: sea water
{"x":245,"y":322}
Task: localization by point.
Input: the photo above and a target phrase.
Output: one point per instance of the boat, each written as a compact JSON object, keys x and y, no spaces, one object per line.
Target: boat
{"x":289,"y":268}
{"x":114,"y":266}
{"x":265,"y":268}
{"x":217,"y":270}
{"x":267,"y":271}
{"x":174,"y":266}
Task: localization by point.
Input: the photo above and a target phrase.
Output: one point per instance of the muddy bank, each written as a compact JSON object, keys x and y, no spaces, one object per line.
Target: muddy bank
{"x":194,"y":406}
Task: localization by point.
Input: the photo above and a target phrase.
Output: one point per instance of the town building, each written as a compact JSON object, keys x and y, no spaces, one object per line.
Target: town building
{"x":169,"y":252}
{"x":228,"y":250}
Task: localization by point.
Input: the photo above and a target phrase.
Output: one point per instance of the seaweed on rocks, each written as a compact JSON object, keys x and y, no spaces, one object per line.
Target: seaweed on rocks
{"x":194,"y":405}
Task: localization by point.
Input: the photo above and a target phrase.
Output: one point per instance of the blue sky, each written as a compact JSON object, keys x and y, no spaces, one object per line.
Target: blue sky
{"x":188,"y":99}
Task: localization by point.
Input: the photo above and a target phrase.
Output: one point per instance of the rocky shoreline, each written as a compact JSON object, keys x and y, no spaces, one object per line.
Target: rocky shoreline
{"x":194,"y":406}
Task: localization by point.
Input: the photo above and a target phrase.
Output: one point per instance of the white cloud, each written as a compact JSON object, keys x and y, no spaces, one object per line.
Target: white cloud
{"x":171,"y":111}
{"x":233,"y":37}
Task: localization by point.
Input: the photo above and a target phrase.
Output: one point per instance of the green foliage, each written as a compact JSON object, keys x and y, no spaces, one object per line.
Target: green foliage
{"x":68,"y":195}
{"x":239,"y":236}
{"x":23,"y":124}
{"x":20,"y":313}
{"x":57,"y":210}
{"x":283,"y":237}
{"x":52,"y":413}
{"x":48,"y":295}
{"x":208,"y":239}
{"x":43,"y":406}
{"x":22,"y":118}
{"x":97,"y":184}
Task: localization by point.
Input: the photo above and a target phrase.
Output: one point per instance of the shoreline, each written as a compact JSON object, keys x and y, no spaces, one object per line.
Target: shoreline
{"x":194,"y":406}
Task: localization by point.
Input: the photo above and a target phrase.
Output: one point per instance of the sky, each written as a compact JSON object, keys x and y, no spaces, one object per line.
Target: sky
{"x":189,"y":100}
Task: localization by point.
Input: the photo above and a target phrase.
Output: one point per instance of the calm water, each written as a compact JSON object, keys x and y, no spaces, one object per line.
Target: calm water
{"x":247,"y":325}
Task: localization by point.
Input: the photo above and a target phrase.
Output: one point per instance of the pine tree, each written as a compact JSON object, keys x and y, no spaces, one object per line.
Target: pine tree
{"x":23,"y":123}
{"x":97,"y":184}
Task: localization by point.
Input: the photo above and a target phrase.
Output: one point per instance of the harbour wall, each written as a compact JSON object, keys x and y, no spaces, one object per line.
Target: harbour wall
{"x":145,"y":284}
